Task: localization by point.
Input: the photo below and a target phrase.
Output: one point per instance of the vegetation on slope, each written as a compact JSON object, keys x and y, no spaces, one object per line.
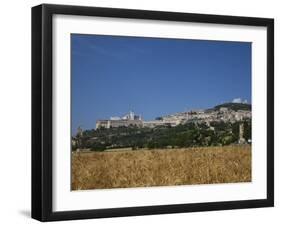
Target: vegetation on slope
{"x":187,"y":135}
{"x":234,"y":106}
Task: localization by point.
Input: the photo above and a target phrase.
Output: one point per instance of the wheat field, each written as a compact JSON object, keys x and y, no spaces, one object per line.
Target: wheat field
{"x":142,"y":168}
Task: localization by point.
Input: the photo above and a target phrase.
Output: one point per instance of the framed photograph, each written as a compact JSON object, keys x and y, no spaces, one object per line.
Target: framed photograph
{"x":145,"y":112}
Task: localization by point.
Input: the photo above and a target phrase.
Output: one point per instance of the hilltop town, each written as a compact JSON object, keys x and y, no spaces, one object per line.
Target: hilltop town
{"x":225,"y":124}
{"x":228,"y":112}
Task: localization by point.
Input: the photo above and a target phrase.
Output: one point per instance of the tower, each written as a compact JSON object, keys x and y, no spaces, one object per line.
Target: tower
{"x":131,"y":115}
{"x":241,"y":134}
{"x":79,"y":133}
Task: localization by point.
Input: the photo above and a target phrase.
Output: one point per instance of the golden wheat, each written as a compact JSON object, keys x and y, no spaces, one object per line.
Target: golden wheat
{"x":141,"y":168}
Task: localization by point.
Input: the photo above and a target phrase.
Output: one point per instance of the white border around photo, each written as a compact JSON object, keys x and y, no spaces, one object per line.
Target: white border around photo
{"x":65,"y":199}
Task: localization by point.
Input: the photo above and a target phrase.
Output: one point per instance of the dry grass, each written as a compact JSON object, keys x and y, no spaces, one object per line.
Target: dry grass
{"x":143,"y":168}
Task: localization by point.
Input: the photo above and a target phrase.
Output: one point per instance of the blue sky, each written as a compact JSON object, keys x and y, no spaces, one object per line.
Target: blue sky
{"x":112,"y":75}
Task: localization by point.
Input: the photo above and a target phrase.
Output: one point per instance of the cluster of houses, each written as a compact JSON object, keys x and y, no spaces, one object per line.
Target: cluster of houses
{"x":222,"y":114}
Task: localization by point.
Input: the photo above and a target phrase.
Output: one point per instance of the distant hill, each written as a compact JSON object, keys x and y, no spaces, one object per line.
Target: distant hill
{"x":234,"y":106}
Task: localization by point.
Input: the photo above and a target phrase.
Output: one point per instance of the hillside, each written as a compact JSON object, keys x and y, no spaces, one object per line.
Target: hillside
{"x":234,"y":106}
{"x":186,"y":135}
{"x":209,"y":128}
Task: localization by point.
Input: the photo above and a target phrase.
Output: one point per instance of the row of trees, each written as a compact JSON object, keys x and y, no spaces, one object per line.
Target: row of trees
{"x":187,"y":135}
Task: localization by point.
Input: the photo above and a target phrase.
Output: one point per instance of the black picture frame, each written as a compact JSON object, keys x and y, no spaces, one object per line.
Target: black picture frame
{"x":42,"y":111}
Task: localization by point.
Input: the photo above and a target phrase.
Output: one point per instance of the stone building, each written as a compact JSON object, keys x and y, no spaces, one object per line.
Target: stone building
{"x":128,"y":120}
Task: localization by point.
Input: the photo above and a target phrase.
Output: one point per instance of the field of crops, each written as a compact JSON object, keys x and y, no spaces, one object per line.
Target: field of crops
{"x":142,"y":168}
